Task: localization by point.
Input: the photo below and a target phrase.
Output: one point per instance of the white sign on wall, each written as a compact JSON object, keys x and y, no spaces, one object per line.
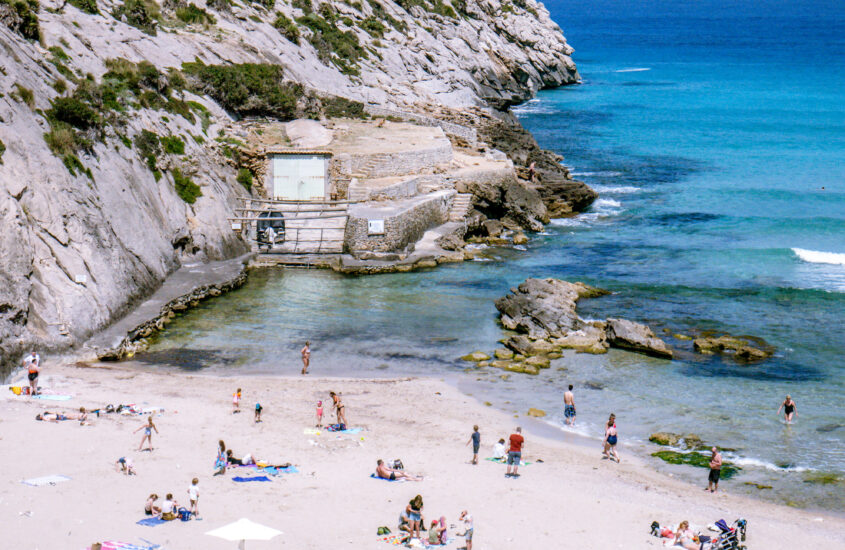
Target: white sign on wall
{"x":375,"y":227}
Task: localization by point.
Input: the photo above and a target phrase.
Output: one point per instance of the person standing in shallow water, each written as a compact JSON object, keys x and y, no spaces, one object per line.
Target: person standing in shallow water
{"x":306,"y":357}
{"x":789,"y":409}
{"x":569,"y":407}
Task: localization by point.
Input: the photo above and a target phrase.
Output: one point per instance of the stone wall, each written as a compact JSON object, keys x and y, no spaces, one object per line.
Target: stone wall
{"x":383,"y":165}
{"x":405,"y":226}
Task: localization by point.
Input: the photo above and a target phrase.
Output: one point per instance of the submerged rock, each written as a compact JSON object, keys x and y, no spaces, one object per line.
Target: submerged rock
{"x":475,"y":357}
{"x":536,"y":413}
{"x":632,"y":336}
{"x":740,"y":348}
{"x":502,"y":353}
{"x":537,"y":361}
{"x":665,"y":438}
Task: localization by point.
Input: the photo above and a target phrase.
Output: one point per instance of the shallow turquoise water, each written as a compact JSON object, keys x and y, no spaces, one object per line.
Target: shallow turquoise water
{"x":711,"y":165}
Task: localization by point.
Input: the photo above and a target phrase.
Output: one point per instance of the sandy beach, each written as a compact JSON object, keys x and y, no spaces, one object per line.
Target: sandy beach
{"x":572,"y":499}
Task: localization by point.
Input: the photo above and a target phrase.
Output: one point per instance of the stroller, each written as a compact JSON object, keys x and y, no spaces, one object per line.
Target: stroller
{"x":730,"y":536}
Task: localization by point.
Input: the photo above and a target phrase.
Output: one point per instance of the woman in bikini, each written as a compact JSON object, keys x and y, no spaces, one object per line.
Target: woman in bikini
{"x":339,"y":408}
{"x":148,"y":433}
{"x":788,"y":407}
{"x":684,"y":537}
{"x":415,"y":517}
{"x":610,"y":439}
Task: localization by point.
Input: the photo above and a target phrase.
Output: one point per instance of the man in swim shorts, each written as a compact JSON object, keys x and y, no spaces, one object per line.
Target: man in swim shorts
{"x":569,"y":407}
{"x":715,"y":470}
{"x":515,"y":452}
{"x":32,"y":362}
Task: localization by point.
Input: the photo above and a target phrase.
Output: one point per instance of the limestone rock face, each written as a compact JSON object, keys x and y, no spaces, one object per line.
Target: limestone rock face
{"x":632,"y":336}
{"x":79,"y":251}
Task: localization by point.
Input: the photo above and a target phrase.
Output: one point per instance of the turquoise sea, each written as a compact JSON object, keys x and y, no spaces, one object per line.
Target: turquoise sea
{"x":715,"y":134}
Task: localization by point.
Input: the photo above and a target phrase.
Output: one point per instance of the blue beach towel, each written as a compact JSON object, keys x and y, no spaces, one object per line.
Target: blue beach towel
{"x":151,"y":522}
{"x":351,"y":431}
{"x":374,"y":476}
{"x":51,"y":397}
{"x":240,"y":479}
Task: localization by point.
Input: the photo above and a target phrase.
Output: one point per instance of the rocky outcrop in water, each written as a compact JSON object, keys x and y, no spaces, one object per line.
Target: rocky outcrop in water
{"x":741,"y":348}
{"x":544,"y":310}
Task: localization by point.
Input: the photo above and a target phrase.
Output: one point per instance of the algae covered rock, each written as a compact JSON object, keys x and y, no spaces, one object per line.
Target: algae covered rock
{"x":504,"y":354}
{"x":665,"y":438}
{"x":475,"y":357}
{"x":697,"y":459}
{"x":537,"y":361}
{"x":520,"y":238}
{"x":742,"y":348}
{"x":536,"y":413}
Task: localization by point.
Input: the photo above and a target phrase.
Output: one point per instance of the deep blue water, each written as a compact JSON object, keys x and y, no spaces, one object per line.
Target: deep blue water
{"x":715,"y":134}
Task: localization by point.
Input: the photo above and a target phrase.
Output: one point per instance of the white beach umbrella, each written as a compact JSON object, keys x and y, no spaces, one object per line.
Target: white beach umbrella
{"x":244,"y":530}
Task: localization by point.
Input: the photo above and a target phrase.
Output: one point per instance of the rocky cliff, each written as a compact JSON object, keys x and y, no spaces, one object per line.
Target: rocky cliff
{"x":114,"y":166}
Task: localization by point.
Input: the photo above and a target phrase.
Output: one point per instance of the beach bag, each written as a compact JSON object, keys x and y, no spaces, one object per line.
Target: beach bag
{"x":397,"y":465}
{"x":184,"y":514}
{"x":655,"y":529}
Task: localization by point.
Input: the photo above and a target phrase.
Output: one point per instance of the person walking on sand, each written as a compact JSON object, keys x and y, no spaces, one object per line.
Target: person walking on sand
{"x":569,"y":407}
{"x":610,"y":439}
{"x":306,"y":357}
{"x":236,"y":402}
{"x":32,"y":362}
{"x":715,"y":470}
{"x":515,"y":453}
{"x":789,"y":409}
{"x":148,"y":433}
{"x":469,"y":529}
{"x":339,"y":408}
{"x":475,"y":439}
{"x":221,"y":461}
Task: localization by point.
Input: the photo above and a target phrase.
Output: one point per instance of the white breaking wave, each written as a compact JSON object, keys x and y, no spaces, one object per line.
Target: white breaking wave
{"x":603,"y":173}
{"x":634,"y":70}
{"x":615,"y":189}
{"x":816,"y":257}
{"x":602,"y":203}
{"x":754,"y":462}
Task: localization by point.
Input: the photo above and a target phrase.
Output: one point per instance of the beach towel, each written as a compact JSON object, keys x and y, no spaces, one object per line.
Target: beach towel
{"x":46,"y":480}
{"x":311,"y":431}
{"x":50,"y":397}
{"x":505,"y":461}
{"x":391,"y":539}
{"x":112,"y":545}
{"x":240,"y":479}
{"x":374,"y":476}
{"x":275,"y":471}
{"x":151,"y":522}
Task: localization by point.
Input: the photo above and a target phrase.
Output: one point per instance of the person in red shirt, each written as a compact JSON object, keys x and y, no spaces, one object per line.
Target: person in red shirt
{"x":515,"y":452}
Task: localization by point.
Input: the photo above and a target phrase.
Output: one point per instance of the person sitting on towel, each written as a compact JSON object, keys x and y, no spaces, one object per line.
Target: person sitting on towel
{"x":391,"y":474}
{"x":499,"y":450}
{"x":168,"y":508}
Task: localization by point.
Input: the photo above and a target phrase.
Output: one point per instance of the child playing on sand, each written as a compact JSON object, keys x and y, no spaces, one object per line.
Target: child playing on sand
{"x":258,"y":409}
{"x":319,"y":414}
{"x":194,"y":495}
{"x":475,"y":439}
{"x":236,"y":401}
{"x":148,"y":433}
{"x":125,"y":465}
{"x":467,"y":519}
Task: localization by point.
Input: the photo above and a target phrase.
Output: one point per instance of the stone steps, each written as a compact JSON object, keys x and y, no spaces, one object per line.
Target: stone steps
{"x":461,"y":205}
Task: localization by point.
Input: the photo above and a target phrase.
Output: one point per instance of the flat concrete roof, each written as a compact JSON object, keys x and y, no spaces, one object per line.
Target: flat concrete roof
{"x":368,"y":137}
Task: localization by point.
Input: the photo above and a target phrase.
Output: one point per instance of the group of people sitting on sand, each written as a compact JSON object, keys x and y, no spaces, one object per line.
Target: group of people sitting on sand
{"x":170,"y":509}
{"x":412,"y":521}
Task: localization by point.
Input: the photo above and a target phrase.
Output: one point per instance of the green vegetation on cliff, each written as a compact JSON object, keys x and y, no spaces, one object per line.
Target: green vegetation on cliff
{"x":141,"y":14}
{"x":246,"y":89}
{"x":287,"y":27}
{"x":192,"y":14}
{"x":2,"y":150}
{"x":339,"y":47}
{"x":187,"y":190}
{"x":21,"y":17}
{"x":88,"y":6}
